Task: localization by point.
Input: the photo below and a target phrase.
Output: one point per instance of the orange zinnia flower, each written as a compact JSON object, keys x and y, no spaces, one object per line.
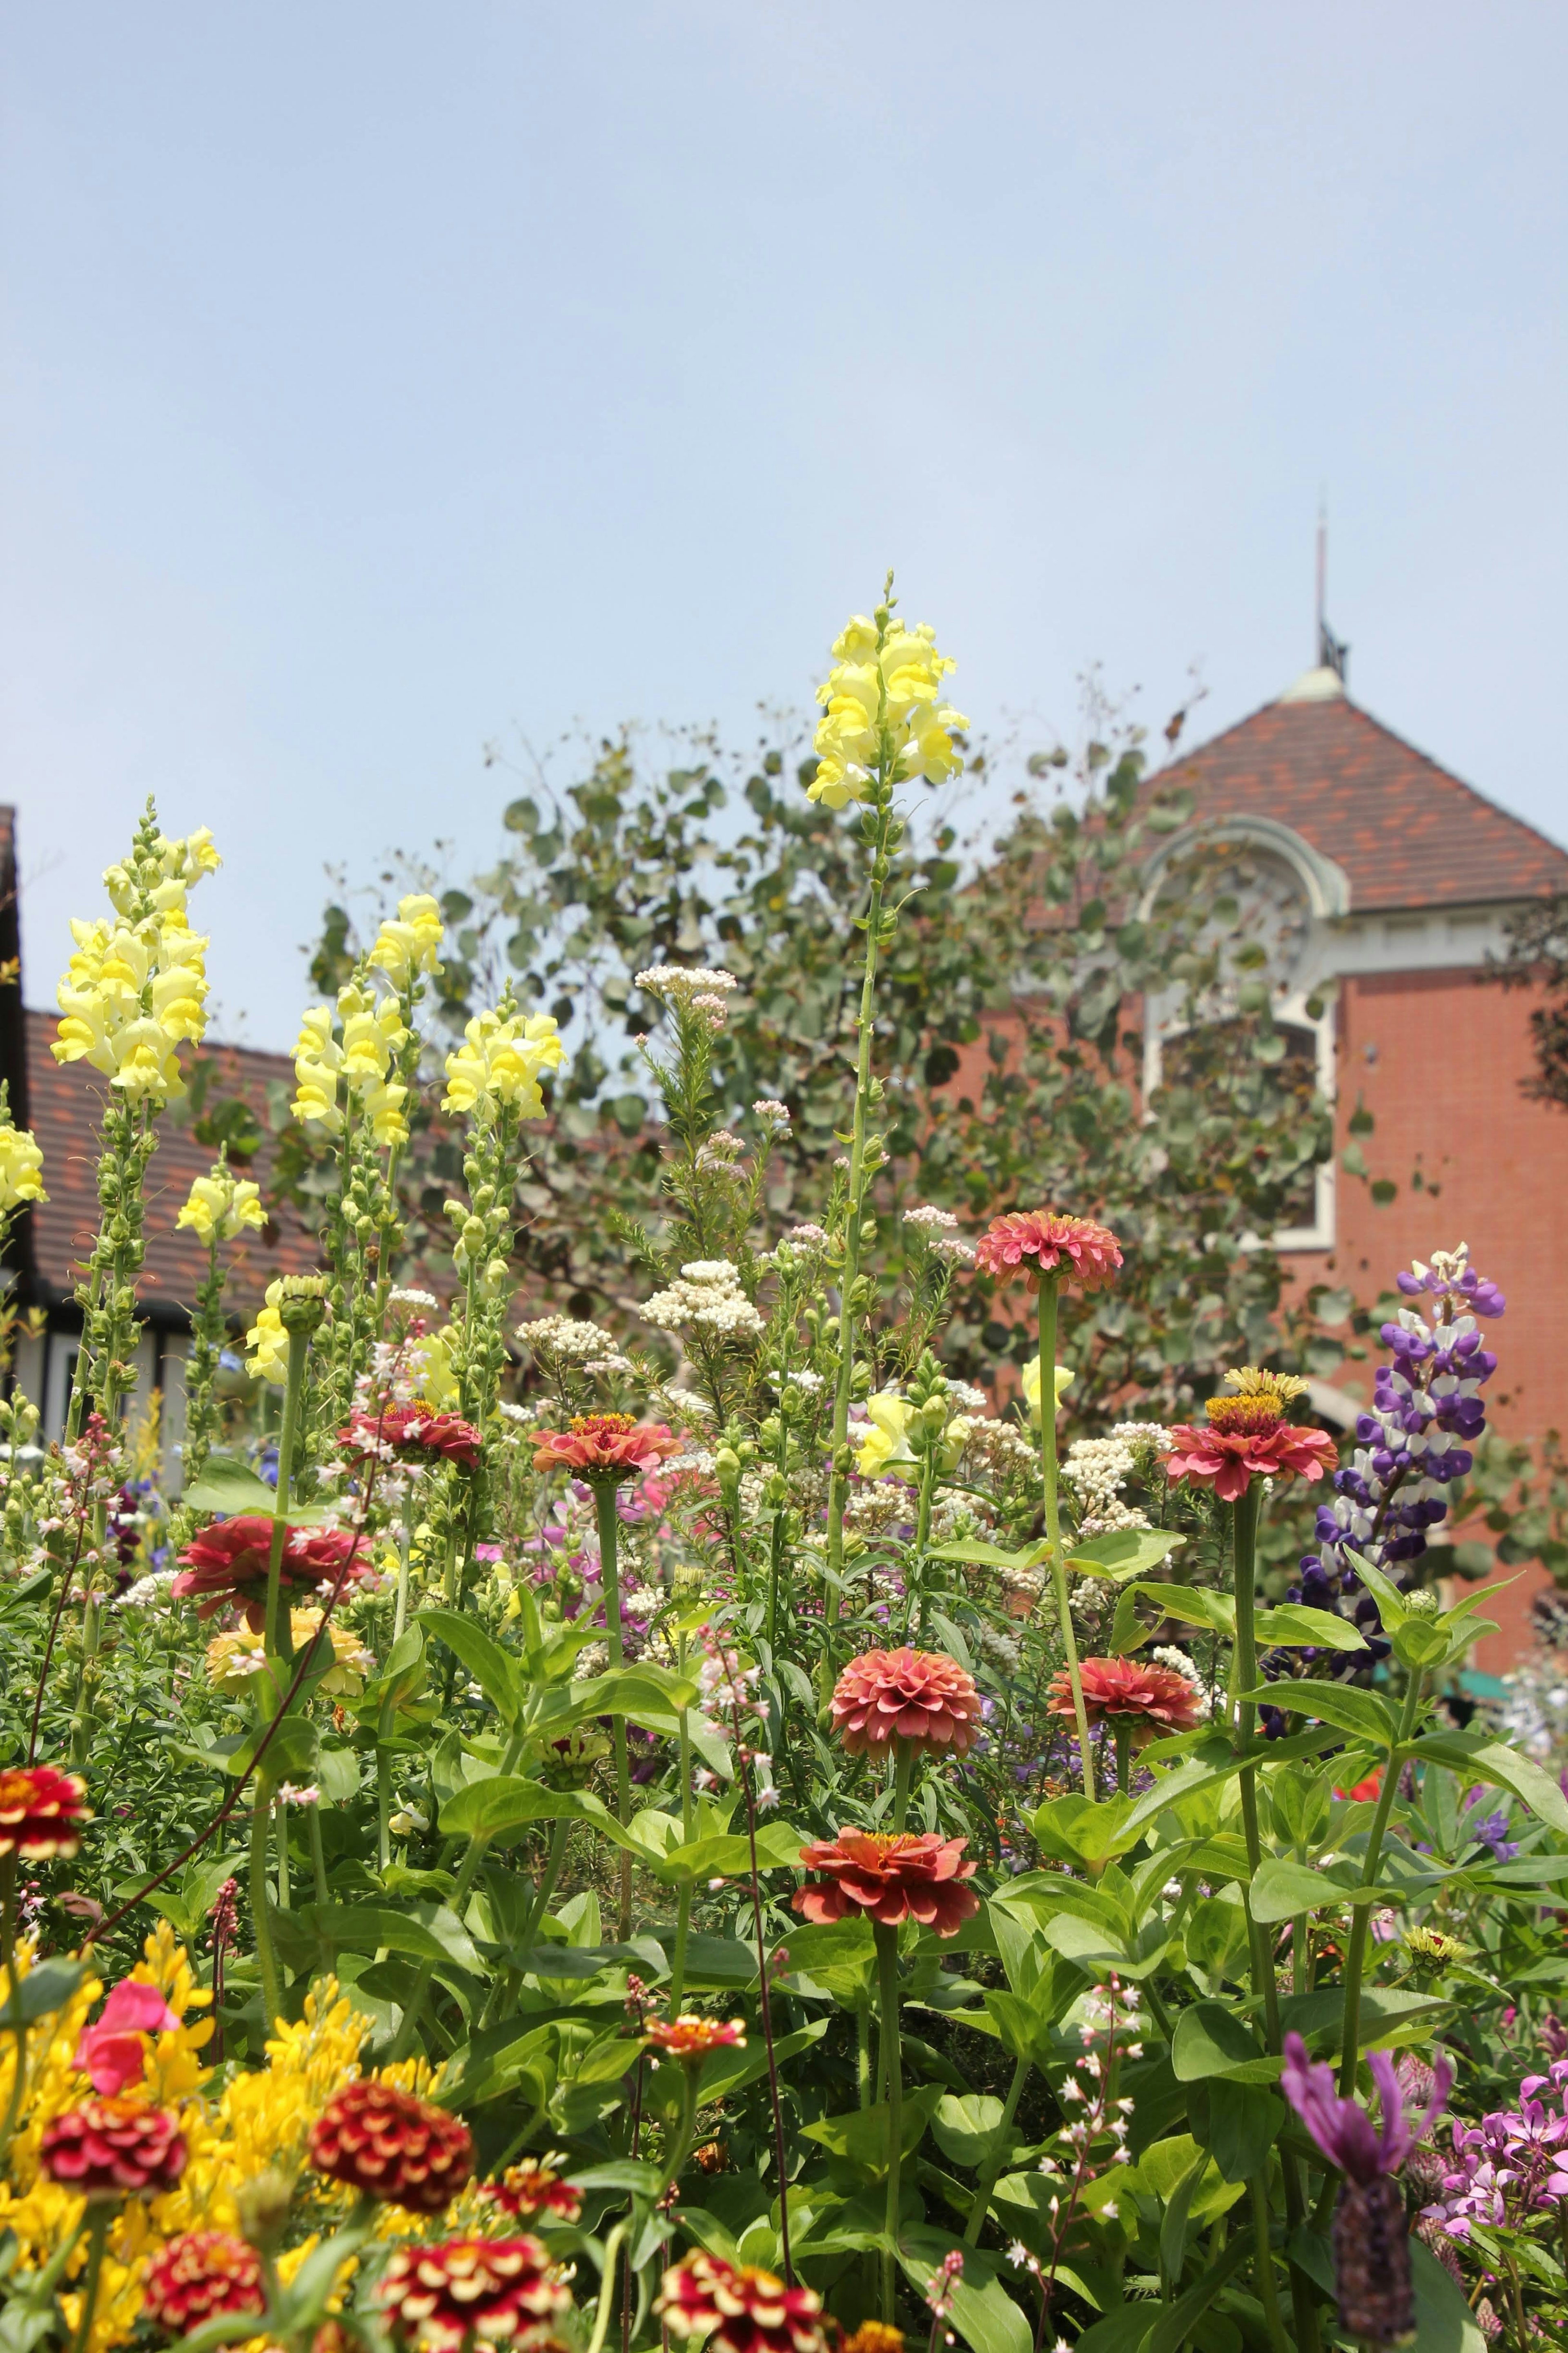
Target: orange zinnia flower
{"x":689,"y":2036}
{"x":1247,"y":1438}
{"x":890,"y":1876}
{"x":608,"y":1447}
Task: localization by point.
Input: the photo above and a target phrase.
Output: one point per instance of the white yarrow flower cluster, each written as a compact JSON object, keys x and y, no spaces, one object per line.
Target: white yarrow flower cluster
{"x":708,"y":1294}
{"x":571,"y":1342}
{"x":681,"y":981}
{"x":1167,"y":1655}
{"x":1095,"y":1469}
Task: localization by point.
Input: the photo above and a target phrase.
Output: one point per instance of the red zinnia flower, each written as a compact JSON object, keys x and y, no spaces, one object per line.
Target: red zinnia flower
{"x":533,"y":2186}
{"x":1155,"y":1699}
{"x":227,"y":1561}
{"x":417,"y":1430}
{"x":891,"y":1876}
{"x":392,"y":2146}
{"x":746,"y":2311}
{"x":605,"y":1446}
{"x":489,"y":2291}
{"x":1076,"y":1248}
{"x":692,"y":2038}
{"x":41,"y":1811}
{"x":918,"y":1696}
{"x":198,"y":2275}
{"x":107,"y":2148}
{"x":1247,"y":1438}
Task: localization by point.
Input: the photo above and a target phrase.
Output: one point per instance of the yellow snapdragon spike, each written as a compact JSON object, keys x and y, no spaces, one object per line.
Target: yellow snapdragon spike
{"x":885,"y":1451}
{"x":501,"y":1060}
{"x":886,"y":697}
{"x":411,"y":944}
{"x":220,"y":1206}
{"x":267,"y":1341}
{"x":21,"y":1168}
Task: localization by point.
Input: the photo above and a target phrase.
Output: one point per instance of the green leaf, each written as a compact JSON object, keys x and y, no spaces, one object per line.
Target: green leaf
{"x":986,"y":1555}
{"x":1444,"y":2321}
{"x":1283,"y":1888}
{"x":497,"y":1672}
{"x":1391,"y":1603}
{"x":1124,"y":1552}
{"x":45,"y":1990}
{"x":430,"y":1932}
{"x":1076,"y":1829}
{"x":1293,"y":1626}
{"x":231,"y":1487}
{"x":860,"y":2134}
{"x":965,"y":2128}
{"x":506,"y":1801}
{"x":1192,"y":1605}
{"x":1210,"y":2040}
{"x":983,"y":2314}
{"x":1507,"y":1768}
{"x":1360,"y":1713}
{"x":1176,"y":2323}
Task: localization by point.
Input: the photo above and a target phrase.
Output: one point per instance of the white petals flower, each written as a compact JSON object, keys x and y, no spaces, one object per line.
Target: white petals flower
{"x":708,"y":1294}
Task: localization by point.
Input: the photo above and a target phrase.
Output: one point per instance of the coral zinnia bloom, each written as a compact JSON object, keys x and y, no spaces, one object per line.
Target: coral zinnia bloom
{"x":108,"y":2149}
{"x":890,"y":1876}
{"x":41,"y":1811}
{"x":918,"y":1696}
{"x":198,"y":2275}
{"x":1037,"y":1242}
{"x":1247,"y":1438}
{"x":610,"y":1446}
{"x":688,"y":2037}
{"x":747,"y":2311}
{"x":227,"y":1563}
{"x":392,"y":2145}
{"x":415,"y":1429}
{"x":534,"y":2186}
{"x":1153,"y":1699}
{"x":469,"y":2292}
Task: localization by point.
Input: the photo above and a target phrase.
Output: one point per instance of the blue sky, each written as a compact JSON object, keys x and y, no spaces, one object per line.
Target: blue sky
{"x":380,"y":379}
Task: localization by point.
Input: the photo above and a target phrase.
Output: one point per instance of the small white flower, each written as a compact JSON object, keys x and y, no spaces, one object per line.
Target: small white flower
{"x":291,"y":1793}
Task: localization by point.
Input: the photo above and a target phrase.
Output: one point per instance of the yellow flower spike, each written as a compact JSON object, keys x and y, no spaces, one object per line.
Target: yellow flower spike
{"x":501,"y":1060}
{"x":894,"y":692}
{"x":21,"y":1168}
{"x":412,"y":943}
{"x":885,"y":1451}
{"x":267,"y":1341}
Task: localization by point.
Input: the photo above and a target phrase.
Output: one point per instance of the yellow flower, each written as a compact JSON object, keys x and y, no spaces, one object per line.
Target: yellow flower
{"x":885,"y":696}
{"x":318,"y":1059}
{"x":136,"y":988}
{"x":885,"y":1451}
{"x":351,"y":1661}
{"x":437,"y":1381}
{"x":221,"y":1206}
{"x":411,"y":944}
{"x":382,"y":1102}
{"x":21,"y":1168}
{"x":267,"y":1341}
{"x":500,"y":1061}
{"x":373,"y":1033}
{"x":235,"y":1659}
{"x":1031,"y":1385}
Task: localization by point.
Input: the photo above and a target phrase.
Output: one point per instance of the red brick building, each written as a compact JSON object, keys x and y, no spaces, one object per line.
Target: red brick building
{"x":1382,"y":885}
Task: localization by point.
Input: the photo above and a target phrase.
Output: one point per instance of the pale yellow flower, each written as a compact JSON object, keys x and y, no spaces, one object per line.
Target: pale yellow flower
{"x":885,"y":1451}
{"x":267,"y":1341}
{"x":318,"y":1059}
{"x":893,"y":692}
{"x":412,"y":943}
{"x":237,"y":1657}
{"x":432,"y":1358}
{"x":500,"y":1061}
{"x":1031,"y":1385}
{"x":220,"y":1206}
{"x":21,"y":1168}
{"x":136,"y":989}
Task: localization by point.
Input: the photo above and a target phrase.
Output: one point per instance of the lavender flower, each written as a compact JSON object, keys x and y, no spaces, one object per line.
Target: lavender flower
{"x":1372,"y":2235}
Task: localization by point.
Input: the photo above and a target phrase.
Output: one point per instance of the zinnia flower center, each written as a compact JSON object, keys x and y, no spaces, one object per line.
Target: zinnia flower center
{"x":602,"y":1425}
{"x":1244,"y":1417}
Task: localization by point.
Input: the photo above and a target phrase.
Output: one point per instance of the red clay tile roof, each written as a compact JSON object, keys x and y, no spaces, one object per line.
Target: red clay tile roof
{"x":65,"y":1102}
{"x":1407,"y":832}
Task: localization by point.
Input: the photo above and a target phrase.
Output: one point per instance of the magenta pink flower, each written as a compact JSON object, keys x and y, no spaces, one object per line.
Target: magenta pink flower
{"x":114,"y":2051}
{"x":1247,"y":1438}
{"x":1037,"y":1242}
{"x":605,"y":1447}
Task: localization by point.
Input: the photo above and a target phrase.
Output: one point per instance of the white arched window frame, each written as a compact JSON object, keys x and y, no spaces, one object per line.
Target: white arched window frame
{"x":1325,"y":900}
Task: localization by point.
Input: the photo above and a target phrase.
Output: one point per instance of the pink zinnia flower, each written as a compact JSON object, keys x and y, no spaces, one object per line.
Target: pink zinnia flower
{"x":114,"y":2051}
{"x":1154,"y":1699}
{"x":1037,"y":1242}
{"x":415,"y":1429}
{"x":610,"y":1446}
{"x":918,"y":1696}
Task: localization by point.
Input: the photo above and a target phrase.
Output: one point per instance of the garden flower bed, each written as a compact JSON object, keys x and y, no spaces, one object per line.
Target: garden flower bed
{"x":717,"y":1829}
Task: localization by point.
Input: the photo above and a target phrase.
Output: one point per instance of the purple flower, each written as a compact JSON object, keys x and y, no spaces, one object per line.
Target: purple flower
{"x":1342,"y":2129}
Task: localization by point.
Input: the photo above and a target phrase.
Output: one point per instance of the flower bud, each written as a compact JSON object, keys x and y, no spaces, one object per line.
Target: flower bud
{"x":263,"y":2204}
{"x":303,"y":1302}
{"x":1422,"y":1605}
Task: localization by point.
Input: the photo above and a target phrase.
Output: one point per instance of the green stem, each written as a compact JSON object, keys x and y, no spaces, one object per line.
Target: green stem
{"x":838,"y":1478}
{"x":609,"y":1525}
{"x":478,"y":1847}
{"x":318,"y":1852}
{"x":266,"y":1959}
{"x":903,"y":1770}
{"x":100,"y":2213}
{"x":888,"y":1986}
{"x":1243,"y":1678}
{"x":14,"y":2018}
{"x":1361,"y":1924}
{"x":1121,"y":1732}
{"x":607,"y":2286}
{"x":400,"y":1613}
{"x":863,"y":2050}
{"x":280,"y":1635}
{"x":1263,"y":2267}
{"x":1053,"y":1520}
{"x":682,"y":1932}
{"x":995,"y":2156}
